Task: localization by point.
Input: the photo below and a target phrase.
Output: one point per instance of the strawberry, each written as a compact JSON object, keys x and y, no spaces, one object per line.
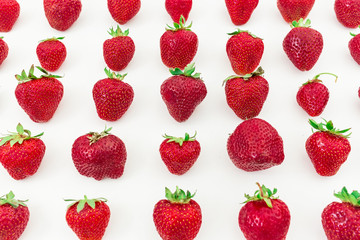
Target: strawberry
{"x":112,"y":96}
{"x":178,"y":45}
{"x":178,"y":8}
{"x":183,"y":92}
{"x":348,"y":12}
{"x":51,"y":53}
{"x":9,"y":13}
{"x":354,"y":47}
{"x":244,"y":51}
{"x":264,"y":216}
{"x":88,"y":218}
{"x":293,"y":10}
{"x":40,"y":96}
{"x":255,"y":145}
{"x":179,"y":154}
{"x":119,"y":50}
{"x":240,"y":11}
{"x":246,"y":94}
{"x":61,"y":14}
{"x":303,"y":45}
{"x":327,"y":148}
{"x":99,"y":155}
{"x":178,"y":216}
{"x":123,"y":10}
{"x":4,"y":50}
{"x":14,"y":216}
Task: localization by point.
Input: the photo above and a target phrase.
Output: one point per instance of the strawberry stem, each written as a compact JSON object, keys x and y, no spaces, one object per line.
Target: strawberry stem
{"x":19,"y":136}
{"x":10,"y":199}
{"x":258,"y":72}
{"x":301,"y":23}
{"x":179,"y":196}
{"x":188,"y":71}
{"x":345,"y":196}
{"x":326,"y":73}
{"x":95,"y":136}
{"x":328,"y":126}
{"x":180,"y":25}
{"x":114,"y":75}
{"x":237,"y":31}
{"x":52,"y":39}
{"x":81,"y":202}
{"x":118,"y":32}
{"x":23,"y":78}
{"x":263,"y":193}
{"x":180,"y":140}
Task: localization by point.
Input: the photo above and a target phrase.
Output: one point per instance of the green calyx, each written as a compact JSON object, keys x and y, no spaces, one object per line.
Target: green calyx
{"x":180,"y":140}
{"x":82,"y":202}
{"x":241,"y":31}
{"x":328,"y":126}
{"x":301,"y":23}
{"x":352,"y":198}
{"x":262,"y":194}
{"x":353,"y":34}
{"x":118,"y":32}
{"x":95,"y":136}
{"x":179,"y":26}
{"x":19,"y":136}
{"x":188,"y":71}
{"x":10,"y":199}
{"x":179,"y":196}
{"x":114,"y":75}
{"x":317,"y":80}
{"x":258,"y":72}
{"x":23,"y":78}
{"x":52,"y":39}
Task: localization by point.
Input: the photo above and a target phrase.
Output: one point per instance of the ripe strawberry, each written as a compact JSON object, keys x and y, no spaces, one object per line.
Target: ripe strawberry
{"x":39,"y":96}
{"x":62,"y":14}
{"x":264,"y":216}
{"x":178,"y":216}
{"x":123,"y":10}
{"x":244,"y":51}
{"x":178,"y":45}
{"x":293,"y":10}
{"x":4,"y":50}
{"x":240,"y":10}
{"x":183,"y":92}
{"x":178,"y":8}
{"x":14,"y":216}
{"x":51,"y":53}
{"x":112,"y":96}
{"x":354,"y":47}
{"x":107,"y":158}
{"x":328,"y":148}
{"x":88,"y":218}
{"x":9,"y":13}
{"x":119,"y":50}
{"x":303,"y":45}
{"x":255,"y":145}
{"x":348,"y":12}
{"x":246,"y":94}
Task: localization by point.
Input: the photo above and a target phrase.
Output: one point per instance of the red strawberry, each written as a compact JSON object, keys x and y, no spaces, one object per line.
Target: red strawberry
{"x":119,"y":50}
{"x":293,"y":10}
{"x":327,"y":148}
{"x":264,"y":216}
{"x":240,"y":10}
{"x":183,"y":92}
{"x":62,"y":14}
{"x":178,"y":45}
{"x":112,"y":96}
{"x":178,"y":216}
{"x":88,"y":218}
{"x":246,"y":94}
{"x":303,"y":45}
{"x":348,"y":12}
{"x":176,"y":8}
{"x":123,"y":10}
{"x":51,"y":53}
{"x":14,"y":216}
{"x":255,"y":145}
{"x":244,"y":51}
{"x":99,"y":155}
{"x":354,"y":47}
{"x":39,"y":96}
{"x":4,"y":50}
{"x":9,"y":13}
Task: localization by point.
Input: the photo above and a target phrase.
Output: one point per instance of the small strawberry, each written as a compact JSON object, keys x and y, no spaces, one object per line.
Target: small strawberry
{"x":9,"y":13}
{"x":354,"y":47}
{"x":61,"y":14}
{"x":348,"y":12}
{"x":40,"y":96}
{"x":14,"y":216}
{"x":178,"y":45}
{"x":178,"y":216}
{"x":123,"y":10}
{"x":51,"y":53}
{"x":245,"y":51}
{"x":303,"y":45}
{"x":240,"y":11}
{"x":99,"y":155}
{"x":293,"y":10}
{"x":88,"y":218}
{"x":183,"y":92}
{"x":4,"y":50}
{"x":264,"y":216}
{"x":112,"y":96}
{"x":255,"y":145}
{"x":178,"y":8}
{"x":246,"y":94}
{"x":119,"y":50}
{"x":327,"y":148}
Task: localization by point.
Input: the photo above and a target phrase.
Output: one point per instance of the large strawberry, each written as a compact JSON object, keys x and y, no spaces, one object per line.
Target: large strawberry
{"x":240,"y":11}
{"x":123,"y":10}
{"x":354,"y":47}
{"x":51,"y":53}
{"x":293,"y":10}
{"x":303,"y":45}
{"x":255,"y":145}
{"x":178,"y":45}
{"x":264,"y":217}
{"x":119,"y":50}
{"x":178,"y":8}
{"x":39,"y":96}
{"x":328,"y":147}
{"x":246,"y":94}
{"x":178,"y":216}
{"x":348,"y":12}
{"x":9,"y":13}
{"x":112,"y":96}
{"x":183,"y":92}
{"x":4,"y":50}
{"x":245,"y":51}
{"x":99,"y":155}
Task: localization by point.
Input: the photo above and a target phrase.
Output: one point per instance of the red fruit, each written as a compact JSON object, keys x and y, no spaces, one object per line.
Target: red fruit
{"x":303,"y":45}
{"x":178,"y":45}
{"x":99,"y":155}
{"x":9,"y":13}
{"x":293,"y":10}
{"x":354,"y":47}
{"x":112,"y":96}
{"x":51,"y":53}
{"x":176,"y":8}
{"x":4,"y":50}
{"x":178,"y":216}
{"x":183,"y":92}
{"x":264,"y":217}
{"x":348,"y":12}
{"x":246,"y":94}
{"x":327,"y":148}
{"x":255,"y":145}
{"x":39,"y":97}
{"x":240,"y":10}
{"x":244,"y":51}
{"x":123,"y":10}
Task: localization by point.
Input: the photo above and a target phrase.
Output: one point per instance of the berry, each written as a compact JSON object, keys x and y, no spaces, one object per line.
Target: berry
{"x":354,"y":47}
{"x":293,"y":10}
{"x":4,"y":50}
{"x":123,"y":10}
{"x":178,"y":8}
{"x":51,"y":53}
{"x":9,"y":13}
{"x":240,"y":11}
{"x":348,"y":12}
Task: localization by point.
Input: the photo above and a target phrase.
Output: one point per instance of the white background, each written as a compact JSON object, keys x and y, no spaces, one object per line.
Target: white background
{"x":219,"y":184}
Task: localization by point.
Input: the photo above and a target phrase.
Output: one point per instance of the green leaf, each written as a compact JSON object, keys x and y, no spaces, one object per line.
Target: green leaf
{"x":81,"y":205}
{"x":91,"y":203}
{"x":176,"y":71}
{"x":268,"y":202}
{"x":20,"y":129}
